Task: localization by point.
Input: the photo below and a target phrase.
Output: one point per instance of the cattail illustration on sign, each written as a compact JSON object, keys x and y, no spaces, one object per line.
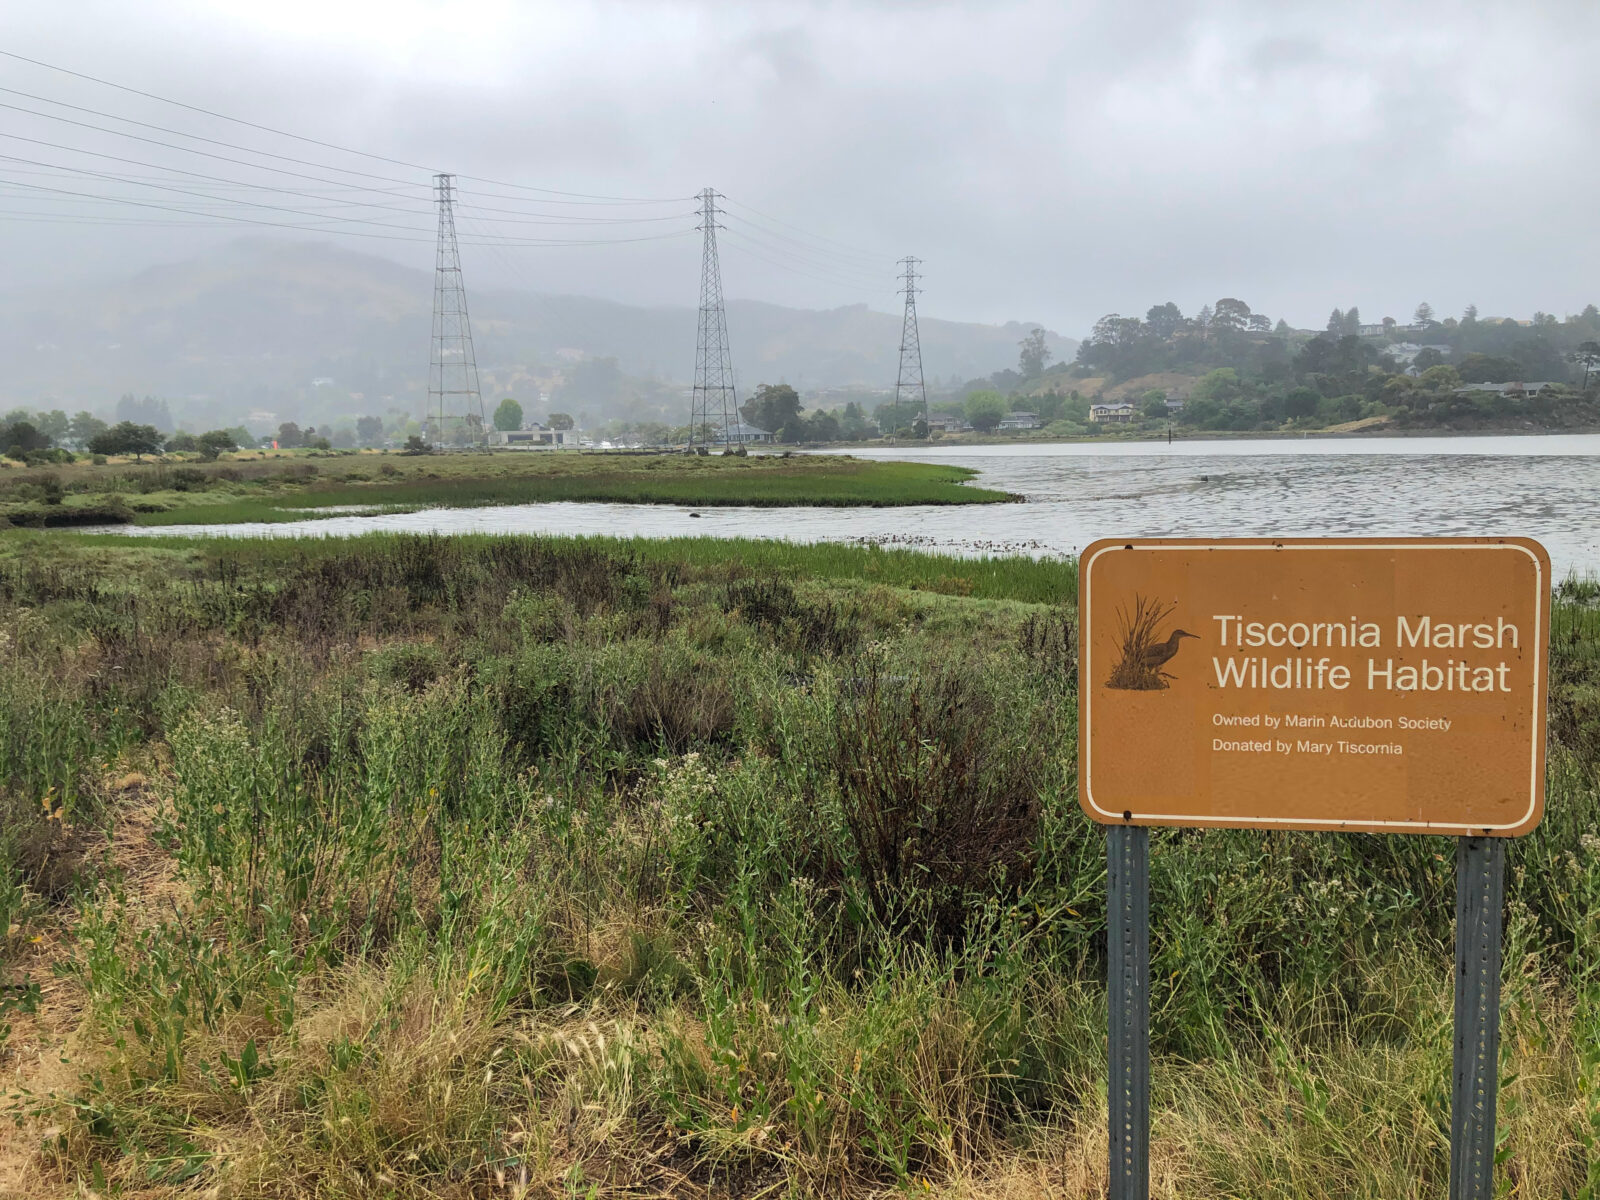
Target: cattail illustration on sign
{"x":1144,"y":652}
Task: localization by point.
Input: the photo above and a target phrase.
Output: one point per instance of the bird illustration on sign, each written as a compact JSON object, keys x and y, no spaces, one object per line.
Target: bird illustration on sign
{"x":1144,"y":652}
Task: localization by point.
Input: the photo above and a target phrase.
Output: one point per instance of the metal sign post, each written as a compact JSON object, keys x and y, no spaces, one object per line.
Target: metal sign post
{"x":1480,"y":897}
{"x":1128,"y":943}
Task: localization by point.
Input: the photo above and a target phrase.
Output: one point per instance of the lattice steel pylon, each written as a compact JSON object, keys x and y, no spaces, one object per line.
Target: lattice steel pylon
{"x":453,"y":393}
{"x":714,"y":407}
{"x":908,"y":386}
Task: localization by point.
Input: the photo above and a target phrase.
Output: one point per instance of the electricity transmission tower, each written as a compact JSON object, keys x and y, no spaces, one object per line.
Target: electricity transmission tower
{"x":453,"y":379}
{"x":714,"y":409}
{"x":908,"y":387}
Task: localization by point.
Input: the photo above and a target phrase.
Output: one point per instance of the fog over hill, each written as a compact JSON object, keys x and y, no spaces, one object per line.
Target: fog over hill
{"x":253,"y":325}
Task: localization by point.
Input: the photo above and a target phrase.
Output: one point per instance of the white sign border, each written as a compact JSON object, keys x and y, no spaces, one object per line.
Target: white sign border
{"x":1190,"y":820}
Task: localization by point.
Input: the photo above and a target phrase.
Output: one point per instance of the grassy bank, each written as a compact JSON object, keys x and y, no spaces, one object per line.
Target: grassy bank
{"x":287,"y":487}
{"x":515,"y":867}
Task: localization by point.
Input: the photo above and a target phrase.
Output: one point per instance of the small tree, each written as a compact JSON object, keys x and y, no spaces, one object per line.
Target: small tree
{"x":1035,"y":354}
{"x":83,"y":426}
{"x":560,"y":421}
{"x":214,"y":442}
{"x":289,"y":436}
{"x":1154,"y":404}
{"x":1301,"y":402}
{"x":985,"y":410}
{"x":369,"y":430}
{"x":508,"y":416}
{"x":127,"y":437}
{"x":1423,"y":315}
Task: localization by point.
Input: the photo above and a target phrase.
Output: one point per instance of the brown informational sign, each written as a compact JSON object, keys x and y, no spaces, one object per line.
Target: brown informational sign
{"x":1385,"y":685}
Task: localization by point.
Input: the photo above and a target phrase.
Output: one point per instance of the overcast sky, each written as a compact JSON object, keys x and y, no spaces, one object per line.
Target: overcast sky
{"x":1048,"y":160}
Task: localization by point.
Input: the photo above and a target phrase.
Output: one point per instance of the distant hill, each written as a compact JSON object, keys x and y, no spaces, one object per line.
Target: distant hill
{"x":256,"y":322}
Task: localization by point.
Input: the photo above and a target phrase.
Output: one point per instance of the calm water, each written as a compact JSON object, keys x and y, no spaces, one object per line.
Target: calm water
{"x":1544,"y":486}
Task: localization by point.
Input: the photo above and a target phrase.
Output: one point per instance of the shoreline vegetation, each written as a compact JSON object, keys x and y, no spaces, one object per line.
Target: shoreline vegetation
{"x":281,"y":487}
{"x":515,"y":866}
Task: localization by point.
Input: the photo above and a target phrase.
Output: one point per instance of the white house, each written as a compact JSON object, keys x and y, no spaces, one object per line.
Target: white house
{"x":537,"y":438}
{"x":1117,"y":414}
{"x":1020,"y":420}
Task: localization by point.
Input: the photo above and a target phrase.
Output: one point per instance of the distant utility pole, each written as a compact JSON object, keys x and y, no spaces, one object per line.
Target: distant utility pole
{"x":908,"y":386}
{"x":714,"y":409}
{"x":453,"y":380}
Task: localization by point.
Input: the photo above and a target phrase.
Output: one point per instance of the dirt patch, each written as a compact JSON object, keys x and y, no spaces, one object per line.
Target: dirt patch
{"x":43,"y":1054}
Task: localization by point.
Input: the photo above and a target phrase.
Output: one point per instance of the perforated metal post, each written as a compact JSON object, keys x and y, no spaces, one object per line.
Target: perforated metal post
{"x":1480,"y":897}
{"x":1128,"y":940}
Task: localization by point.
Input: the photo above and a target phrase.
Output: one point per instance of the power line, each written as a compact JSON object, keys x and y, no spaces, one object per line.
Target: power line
{"x":203,"y":153}
{"x":834,"y":280}
{"x":209,"y":113}
{"x":856,"y":277}
{"x":308,"y":140}
{"x":546,"y":243}
{"x":133,"y":162}
{"x":94,"y":112}
{"x":859,"y":250}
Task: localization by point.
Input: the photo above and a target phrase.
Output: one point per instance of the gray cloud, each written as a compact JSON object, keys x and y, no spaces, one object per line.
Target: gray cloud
{"x":1048,"y":161}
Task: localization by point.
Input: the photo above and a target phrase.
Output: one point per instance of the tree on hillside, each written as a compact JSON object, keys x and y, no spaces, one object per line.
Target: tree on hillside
{"x":1352,"y":320}
{"x":1164,"y":320}
{"x":1260,"y":323}
{"x":560,"y":421}
{"x":1469,"y":317}
{"x":1035,"y":354}
{"x":985,"y":410}
{"x":1282,"y":327}
{"x":1423,"y":315}
{"x":1336,"y":322}
{"x":1230,"y":314}
{"x":127,"y":437}
{"x":772,"y":408}
{"x":508,"y":415}
{"x":369,"y":430}
{"x":1153,"y":405}
{"x":289,"y":435}
{"x":1427,"y":357}
{"x":84,"y":426}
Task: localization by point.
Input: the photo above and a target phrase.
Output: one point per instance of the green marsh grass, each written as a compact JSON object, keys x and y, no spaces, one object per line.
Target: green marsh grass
{"x":279,"y":489}
{"x":547,"y":867}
